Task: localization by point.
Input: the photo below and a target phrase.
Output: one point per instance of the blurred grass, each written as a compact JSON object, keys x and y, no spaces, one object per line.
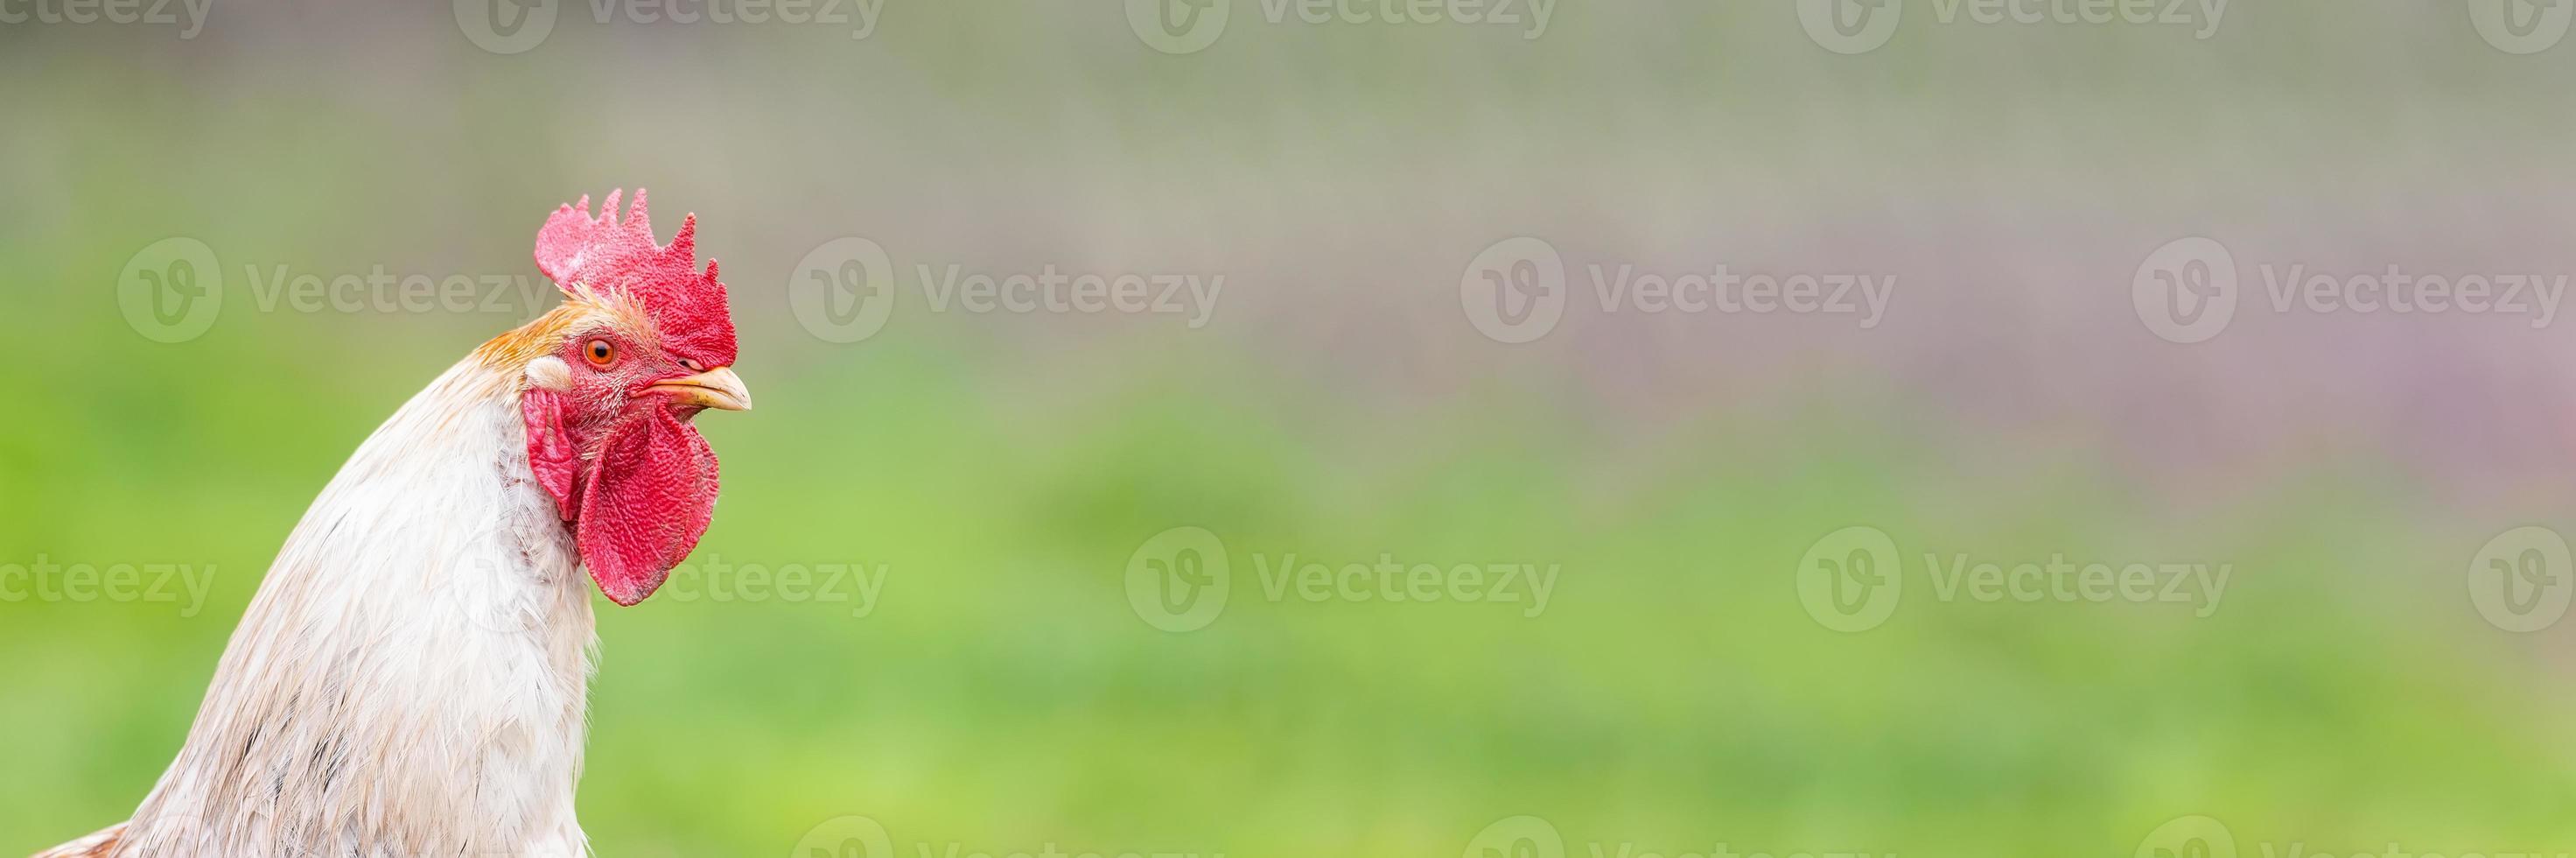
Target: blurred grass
{"x":1003,"y":695}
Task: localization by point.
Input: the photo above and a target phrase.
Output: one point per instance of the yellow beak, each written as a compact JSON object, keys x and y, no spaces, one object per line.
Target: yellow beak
{"x":716,"y":388}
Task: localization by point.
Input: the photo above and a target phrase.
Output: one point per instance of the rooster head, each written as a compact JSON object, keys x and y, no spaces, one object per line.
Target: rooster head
{"x":611,"y":381}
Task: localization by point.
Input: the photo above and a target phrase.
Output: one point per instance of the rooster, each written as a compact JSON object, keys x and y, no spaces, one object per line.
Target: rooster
{"x":412,"y":678}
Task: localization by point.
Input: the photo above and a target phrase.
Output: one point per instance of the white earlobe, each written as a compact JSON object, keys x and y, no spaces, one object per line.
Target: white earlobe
{"x":550,"y":373}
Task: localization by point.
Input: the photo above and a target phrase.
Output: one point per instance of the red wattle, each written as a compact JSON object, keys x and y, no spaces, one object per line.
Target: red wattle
{"x":552,"y":454}
{"x":644,"y":502}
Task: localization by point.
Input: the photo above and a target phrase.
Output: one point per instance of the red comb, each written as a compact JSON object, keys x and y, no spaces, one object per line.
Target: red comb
{"x":686,"y":305}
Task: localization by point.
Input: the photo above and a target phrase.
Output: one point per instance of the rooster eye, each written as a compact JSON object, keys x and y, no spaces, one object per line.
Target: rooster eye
{"x":600,"y":352}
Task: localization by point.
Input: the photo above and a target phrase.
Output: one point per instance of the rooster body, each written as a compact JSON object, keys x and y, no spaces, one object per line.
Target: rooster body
{"x":453,"y":684}
{"x":411,"y":679}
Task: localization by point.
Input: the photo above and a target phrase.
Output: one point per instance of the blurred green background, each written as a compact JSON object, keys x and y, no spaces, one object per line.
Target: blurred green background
{"x":1001,"y":693}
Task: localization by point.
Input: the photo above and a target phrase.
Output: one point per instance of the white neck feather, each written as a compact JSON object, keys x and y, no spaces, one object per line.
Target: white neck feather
{"x":411,"y":679}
